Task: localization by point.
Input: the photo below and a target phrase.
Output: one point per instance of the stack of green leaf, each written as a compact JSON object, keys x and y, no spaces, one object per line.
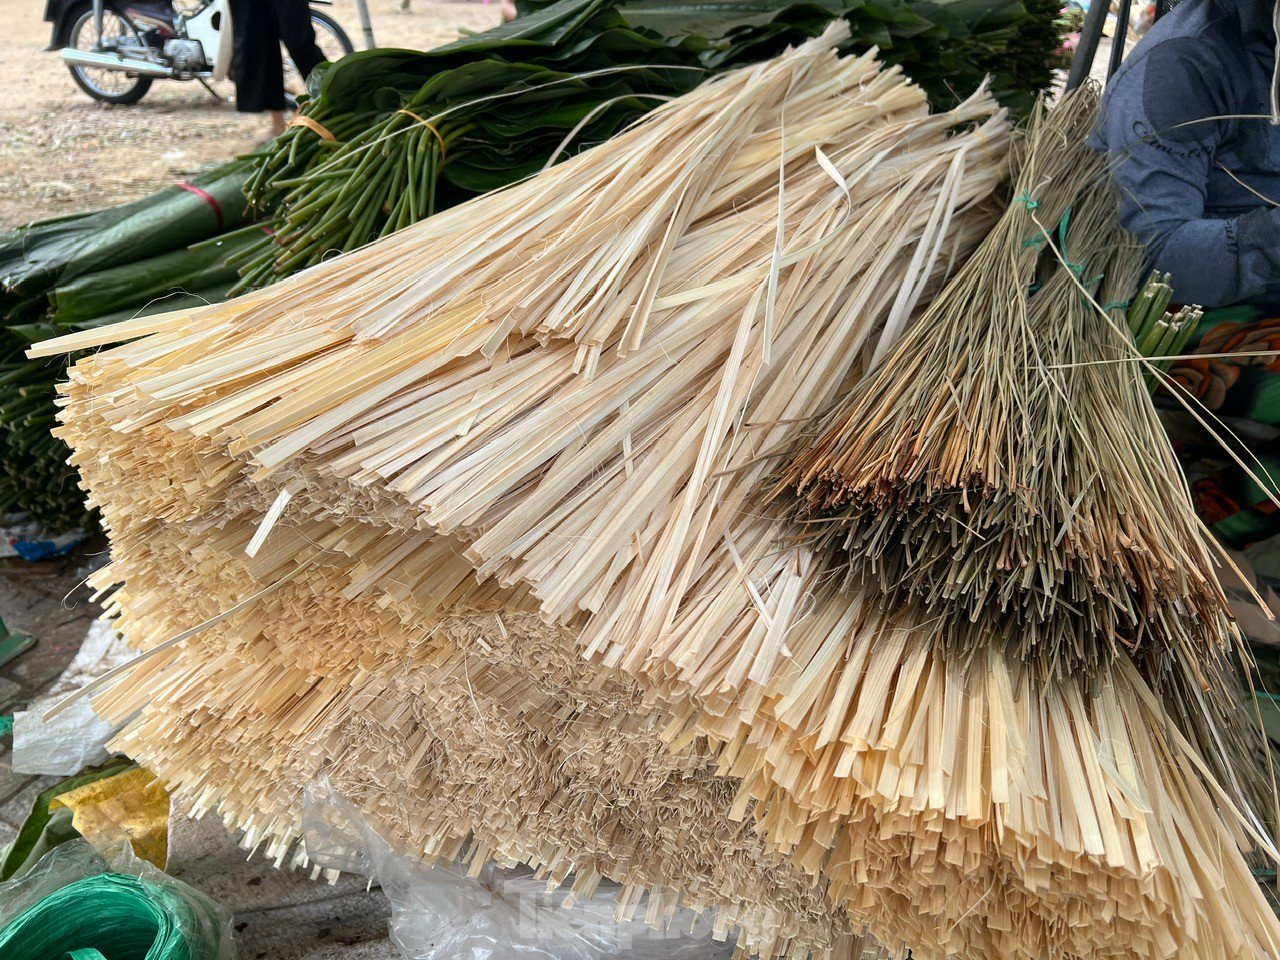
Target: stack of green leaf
{"x":57,"y":276}
{"x":390,"y":136}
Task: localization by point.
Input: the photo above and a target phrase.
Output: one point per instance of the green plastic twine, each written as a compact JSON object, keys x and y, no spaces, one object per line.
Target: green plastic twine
{"x":111,"y":916}
{"x":1042,"y":237}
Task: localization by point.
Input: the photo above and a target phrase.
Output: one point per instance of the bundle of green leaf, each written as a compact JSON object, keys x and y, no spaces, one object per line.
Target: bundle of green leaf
{"x":391,"y":136}
{"x":171,"y":249}
{"x":36,"y":258}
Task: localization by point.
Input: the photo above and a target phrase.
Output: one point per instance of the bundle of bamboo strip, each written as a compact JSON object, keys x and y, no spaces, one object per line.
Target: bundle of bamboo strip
{"x":645,"y":353}
{"x":367,"y":154}
{"x":280,"y":709}
{"x":579,"y":397}
{"x":487,"y":738}
{"x":372,"y":385}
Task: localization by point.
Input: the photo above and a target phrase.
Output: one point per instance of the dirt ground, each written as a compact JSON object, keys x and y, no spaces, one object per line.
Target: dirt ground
{"x":62,"y":153}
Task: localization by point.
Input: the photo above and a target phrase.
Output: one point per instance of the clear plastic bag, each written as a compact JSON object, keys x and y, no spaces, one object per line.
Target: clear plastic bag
{"x":441,"y":913}
{"x":197,"y":929}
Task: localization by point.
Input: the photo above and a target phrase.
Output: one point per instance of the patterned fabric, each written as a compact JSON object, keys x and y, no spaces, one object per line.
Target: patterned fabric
{"x":1247,"y":386}
{"x":1244,"y":391}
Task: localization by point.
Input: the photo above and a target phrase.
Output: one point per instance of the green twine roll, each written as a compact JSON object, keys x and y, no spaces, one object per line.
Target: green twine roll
{"x":113,"y":916}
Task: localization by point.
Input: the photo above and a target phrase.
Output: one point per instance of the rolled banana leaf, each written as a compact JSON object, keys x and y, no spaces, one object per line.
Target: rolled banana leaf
{"x":42,"y":255}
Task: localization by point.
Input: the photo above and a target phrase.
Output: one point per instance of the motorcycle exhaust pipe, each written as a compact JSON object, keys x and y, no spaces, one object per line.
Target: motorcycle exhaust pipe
{"x":111,"y":61}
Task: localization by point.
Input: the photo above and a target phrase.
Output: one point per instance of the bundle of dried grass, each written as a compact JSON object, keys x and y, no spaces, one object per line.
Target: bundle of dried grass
{"x":1010,"y":477}
{"x":1006,"y":471}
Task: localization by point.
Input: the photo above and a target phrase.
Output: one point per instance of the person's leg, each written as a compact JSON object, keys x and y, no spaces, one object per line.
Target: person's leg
{"x":293,"y":23}
{"x":256,"y":66}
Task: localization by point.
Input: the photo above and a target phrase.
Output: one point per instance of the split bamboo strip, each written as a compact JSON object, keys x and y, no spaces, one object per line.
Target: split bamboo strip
{"x":1036,"y":750}
{"x":380,"y":557}
{"x":751,"y":242}
{"x":664,"y":442}
{"x":385,"y":567}
{"x":560,"y":484}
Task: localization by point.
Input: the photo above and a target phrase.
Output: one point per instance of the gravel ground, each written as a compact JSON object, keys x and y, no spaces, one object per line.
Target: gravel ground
{"x":62,"y":153}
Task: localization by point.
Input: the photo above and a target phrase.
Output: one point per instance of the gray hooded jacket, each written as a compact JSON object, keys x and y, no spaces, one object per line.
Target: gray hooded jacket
{"x":1196,"y":159}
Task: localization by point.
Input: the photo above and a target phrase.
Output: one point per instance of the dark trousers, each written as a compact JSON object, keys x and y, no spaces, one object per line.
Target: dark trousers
{"x":260,"y":27}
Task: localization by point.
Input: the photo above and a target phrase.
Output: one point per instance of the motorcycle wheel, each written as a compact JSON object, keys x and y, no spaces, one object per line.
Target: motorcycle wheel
{"x":107,"y":86}
{"x":333,"y":43}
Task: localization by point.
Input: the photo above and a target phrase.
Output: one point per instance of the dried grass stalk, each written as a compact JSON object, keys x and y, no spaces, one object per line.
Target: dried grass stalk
{"x":993,"y":469}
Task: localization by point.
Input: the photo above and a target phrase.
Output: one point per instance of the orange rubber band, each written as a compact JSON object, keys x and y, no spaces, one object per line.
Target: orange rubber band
{"x":301,"y":120}
{"x":430,"y":126}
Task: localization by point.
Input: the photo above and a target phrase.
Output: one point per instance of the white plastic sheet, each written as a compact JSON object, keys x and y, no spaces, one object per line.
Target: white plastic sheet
{"x":63,"y":745}
{"x":441,"y":913}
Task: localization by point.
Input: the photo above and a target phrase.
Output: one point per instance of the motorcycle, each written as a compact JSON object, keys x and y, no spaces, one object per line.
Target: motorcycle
{"x":115,"y":49}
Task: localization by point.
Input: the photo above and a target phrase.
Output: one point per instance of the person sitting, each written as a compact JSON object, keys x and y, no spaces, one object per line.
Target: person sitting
{"x":1190,"y":124}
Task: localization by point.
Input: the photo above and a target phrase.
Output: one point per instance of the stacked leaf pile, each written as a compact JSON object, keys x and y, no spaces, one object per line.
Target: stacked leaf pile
{"x":391,"y":136}
{"x":91,"y":269}
{"x":574,"y":387}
